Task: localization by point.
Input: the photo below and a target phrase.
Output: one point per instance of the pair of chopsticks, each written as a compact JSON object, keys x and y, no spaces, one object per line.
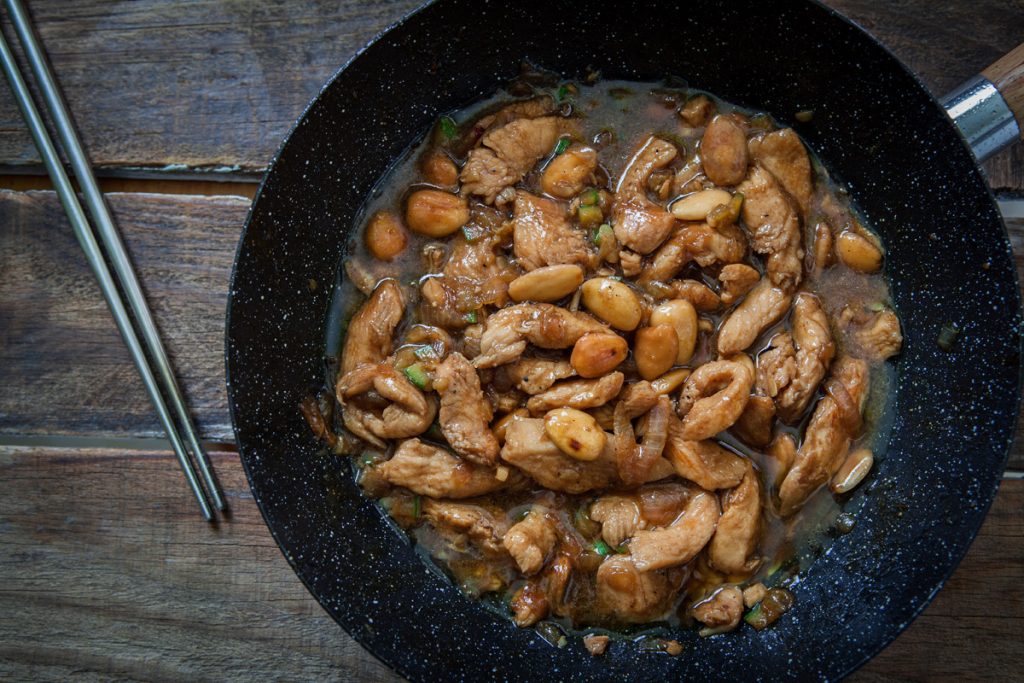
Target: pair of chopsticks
{"x":159,"y":374}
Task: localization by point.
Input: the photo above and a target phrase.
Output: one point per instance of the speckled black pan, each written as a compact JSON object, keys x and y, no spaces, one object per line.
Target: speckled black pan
{"x":879,"y":132}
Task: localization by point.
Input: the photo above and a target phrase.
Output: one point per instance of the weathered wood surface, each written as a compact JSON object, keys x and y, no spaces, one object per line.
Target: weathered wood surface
{"x":217,"y":86}
{"x":65,"y":369}
{"x":126,"y":582}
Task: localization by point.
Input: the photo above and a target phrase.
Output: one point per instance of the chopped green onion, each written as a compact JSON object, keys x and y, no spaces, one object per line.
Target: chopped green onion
{"x":948,"y":336}
{"x":590,"y":197}
{"x":417,"y":506}
{"x":473,"y":232}
{"x":367,"y":459}
{"x":589,"y":216}
{"x":417,"y":375}
{"x":622,"y":548}
{"x":603,"y":232}
{"x":448,"y":127}
{"x":601,"y":548}
{"x":470,"y":317}
{"x":563,"y":144}
{"x":876,"y":307}
{"x":562,"y":92}
{"x":754,"y":617}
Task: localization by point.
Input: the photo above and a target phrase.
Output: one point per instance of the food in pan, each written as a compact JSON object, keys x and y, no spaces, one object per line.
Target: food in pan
{"x":611,"y":353}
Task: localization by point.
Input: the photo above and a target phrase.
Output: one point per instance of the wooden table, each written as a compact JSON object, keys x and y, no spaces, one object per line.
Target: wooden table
{"x":106,"y":569}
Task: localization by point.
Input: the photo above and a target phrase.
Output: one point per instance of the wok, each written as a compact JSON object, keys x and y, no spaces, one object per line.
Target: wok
{"x":879,"y":132}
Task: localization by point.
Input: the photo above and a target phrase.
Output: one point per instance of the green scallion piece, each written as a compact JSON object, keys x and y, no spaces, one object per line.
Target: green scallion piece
{"x":876,"y":307}
{"x":948,"y":336}
{"x":563,"y":144}
{"x":448,"y":127}
{"x":601,"y":548}
{"x":470,"y":317}
{"x":589,"y":216}
{"x":603,"y":232}
{"x":562,"y":93}
{"x":417,"y":375}
{"x":473,"y":232}
{"x":417,"y":506}
{"x":590,"y":197}
{"x":754,"y":617}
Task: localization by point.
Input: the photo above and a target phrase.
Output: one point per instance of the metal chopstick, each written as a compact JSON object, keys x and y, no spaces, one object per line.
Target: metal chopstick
{"x":92,"y":251}
{"x":109,"y":236}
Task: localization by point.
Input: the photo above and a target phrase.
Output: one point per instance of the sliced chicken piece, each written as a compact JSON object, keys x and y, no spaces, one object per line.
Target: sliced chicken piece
{"x":577,"y":393}
{"x":534,"y":375}
{"x":408,"y":412}
{"x":773,"y":220}
{"x":881,"y":338}
{"x":705,"y":463}
{"x":369,"y":338}
{"x":679,"y":542}
{"x":762,"y":308}
{"x":432,"y":471}
{"x":528,"y":447}
{"x":639,"y":223}
{"x":530,"y":541}
{"x":507,"y":153}
{"x":619,"y":517}
{"x":784,"y":155}
{"x":737,"y":279}
{"x":722,"y":610}
{"x":507,"y":332}
{"x":811,"y":358}
{"x":723,"y":151}
{"x":833,"y":425}
{"x":532,"y":108}
{"x":475,"y":522}
{"x":629,"y":595}
{"x":543,"y":235}
{"x":713,"y":398}
{"x":465,"y":416}
{"x":732,"y":548}
{"x":755,"y":424}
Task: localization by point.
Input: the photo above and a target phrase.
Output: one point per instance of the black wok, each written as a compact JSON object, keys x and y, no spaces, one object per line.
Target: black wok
{"x":877,"y":130}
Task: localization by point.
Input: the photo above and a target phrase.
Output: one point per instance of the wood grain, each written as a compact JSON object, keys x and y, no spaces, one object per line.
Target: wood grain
{"x":66,"y":369}
{"x":1008,"y":76}
{"x":125,"y":581}
{"x":224,"y":80}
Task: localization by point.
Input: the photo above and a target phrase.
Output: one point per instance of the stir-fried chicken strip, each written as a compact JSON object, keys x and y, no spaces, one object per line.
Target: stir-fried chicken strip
{"x":478,"y":525}
{"x":407,"y":413}
{"x":528,"y":447}
{"x":640,"y":223}
{"x":635,"y":596}
{"x":721,"y":611}
{"x":432,"y":471}
{"x":543,"y":236}
{"x":464,"y":415}
{"x":782,"y":153}
{"x":507,"y":153}
{"x":829,"y":433}
{"x":577,"y":393}
{"x":372,"y":328}
{"x":507,"y":332}
{"x":595,"y":367}
{"x":759,"y":310}
{"x":679,"y":542}
{"x":530,"y":541}
{"x":793,"y":367}
{"x":534,"y":375}
{"x":705,"y":463}
{"x":773,"y":219}
{"x":732,"y":548}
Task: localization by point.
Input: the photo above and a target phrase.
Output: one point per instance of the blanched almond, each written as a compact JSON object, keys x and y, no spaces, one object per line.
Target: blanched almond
{"x":696,"y":206}
{"x":385,"y":236}
{"x":853,"y":470}
{"x":435,"y":213}
{"x":654,"y":350}
{"x":858,"y":253}
{"x":546,"y":284}
{"x":613,"y":302}
{"x":682,"y":316}
{"x":670,"y":381}
{"x":595,"y":354}
{"x":576,"y":433}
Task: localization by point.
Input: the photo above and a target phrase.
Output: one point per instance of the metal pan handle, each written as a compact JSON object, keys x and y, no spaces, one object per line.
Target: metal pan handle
{"x":989,"y":108}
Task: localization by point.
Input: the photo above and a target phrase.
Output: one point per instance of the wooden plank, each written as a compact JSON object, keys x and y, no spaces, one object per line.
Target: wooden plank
{"x":108,"y":572}
{"x":66,"y":370}
{"x":225,"y":80}
{"x":126,"y":582}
